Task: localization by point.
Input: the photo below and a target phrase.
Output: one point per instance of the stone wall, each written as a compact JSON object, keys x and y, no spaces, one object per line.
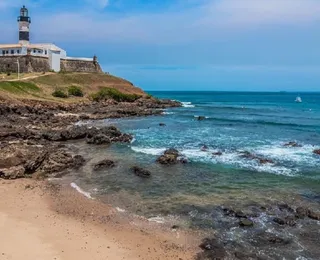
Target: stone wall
{"x":70,"y":65}
{"x":41,"y":64}
{"x":27,"y":64}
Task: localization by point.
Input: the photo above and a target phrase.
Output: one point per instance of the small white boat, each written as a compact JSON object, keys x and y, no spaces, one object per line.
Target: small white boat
{"x":298,"y":100}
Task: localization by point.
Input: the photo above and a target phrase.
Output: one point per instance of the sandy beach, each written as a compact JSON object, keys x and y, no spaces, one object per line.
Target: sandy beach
{"x":43,"y":221}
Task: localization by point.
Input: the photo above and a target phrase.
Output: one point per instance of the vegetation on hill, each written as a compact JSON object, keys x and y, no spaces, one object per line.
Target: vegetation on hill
{"x":77,"y":87}
{"x":111,"y":93}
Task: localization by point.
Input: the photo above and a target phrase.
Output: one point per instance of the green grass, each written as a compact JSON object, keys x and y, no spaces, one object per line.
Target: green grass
{"x":111,"y":93}
{"x":18,"y":87}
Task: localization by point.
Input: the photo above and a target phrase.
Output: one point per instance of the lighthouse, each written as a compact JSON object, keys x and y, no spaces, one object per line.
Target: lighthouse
{"x":24,"y":26}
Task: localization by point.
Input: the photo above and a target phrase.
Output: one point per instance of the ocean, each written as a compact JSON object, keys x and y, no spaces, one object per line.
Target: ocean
{"x":234,"y":124}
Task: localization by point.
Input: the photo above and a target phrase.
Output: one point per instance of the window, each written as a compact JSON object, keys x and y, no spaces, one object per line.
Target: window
{"x":7,"y":52}
{"x":3,"y":52}
{"x":45,"y":52}
{"x":39,"y":51}
{"x":12,"y":51}
{"x":18,"y":51}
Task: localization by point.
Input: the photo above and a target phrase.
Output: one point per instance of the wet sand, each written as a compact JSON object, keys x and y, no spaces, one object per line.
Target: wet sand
{"x":43,"y":221}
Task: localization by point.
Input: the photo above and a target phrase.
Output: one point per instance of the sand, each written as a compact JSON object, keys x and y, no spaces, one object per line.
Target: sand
{"x":41,"y":221}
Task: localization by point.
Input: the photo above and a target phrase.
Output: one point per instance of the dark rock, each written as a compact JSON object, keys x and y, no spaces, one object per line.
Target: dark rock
{"x":250,"y":156}
{"x":99,"y":139}
{"x":59,"y":161}
{"x":277,"y":240}
{"x":169,"y":157}
{"x":217,"y":153}
{"x":279,"y":221}
{"x":12,"y":172}
{"x":104,"y":164}
{"x":240,"y":214}
{"x":317,"y":151}
{"x":290,"y":221}
{"x":314,"y":215}
{"x":292,"y":144}
{"x":175,"y":227}
{"x":32,"y":165}
{"x":301,"y":212}
{"x":200,"y":118}
{"x":183,"y":160}
{"x":246,"y":222}
{"x":162,"y":124}
{"x":285,"y":207}
{"x":141,"y":172}
{"x":229,"y":212}
{"x":204,"y":148}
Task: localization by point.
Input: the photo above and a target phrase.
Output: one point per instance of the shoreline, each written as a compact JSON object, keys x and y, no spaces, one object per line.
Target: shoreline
{"x":59,"y":223}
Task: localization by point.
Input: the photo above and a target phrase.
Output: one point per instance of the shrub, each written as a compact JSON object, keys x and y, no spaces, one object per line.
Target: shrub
{"x":59,"y":94}
{"x":75,"y":91}
{"x":111,"y":93}
{"x":148,"y":96}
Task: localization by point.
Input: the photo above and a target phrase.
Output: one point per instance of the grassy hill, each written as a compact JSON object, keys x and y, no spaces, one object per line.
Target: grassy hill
{"x":41,"y":87}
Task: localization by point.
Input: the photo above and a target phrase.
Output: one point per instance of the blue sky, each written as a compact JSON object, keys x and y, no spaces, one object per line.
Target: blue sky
{"x":185,"y":44}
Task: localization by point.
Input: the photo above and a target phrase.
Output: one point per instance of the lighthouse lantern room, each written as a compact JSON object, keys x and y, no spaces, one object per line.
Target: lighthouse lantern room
{"x":24,"y":26}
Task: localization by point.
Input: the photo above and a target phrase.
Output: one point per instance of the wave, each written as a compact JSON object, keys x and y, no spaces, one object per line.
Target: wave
{"x":284,"y":157}
{"x":260,"y":122}
{"x":78,"y":189}
{"x":187,"y":104}
{"x":168,"y":113}
{"x":150,"y":151}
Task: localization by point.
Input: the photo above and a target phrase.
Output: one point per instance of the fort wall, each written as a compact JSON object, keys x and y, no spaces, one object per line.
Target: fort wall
{"x":28,"y":64}
{"x":80,"y":65}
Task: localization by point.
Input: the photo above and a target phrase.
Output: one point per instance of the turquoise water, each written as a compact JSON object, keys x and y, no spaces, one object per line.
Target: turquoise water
{"x":260,"y":123}
{"x":193,"y":194}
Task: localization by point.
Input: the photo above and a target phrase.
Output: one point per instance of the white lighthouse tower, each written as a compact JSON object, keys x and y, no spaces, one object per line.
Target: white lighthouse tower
{"x":24,"y":26}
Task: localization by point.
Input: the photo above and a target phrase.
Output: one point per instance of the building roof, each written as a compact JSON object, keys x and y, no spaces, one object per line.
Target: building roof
{"x":7,"y":46}
{"x":49,"y":46}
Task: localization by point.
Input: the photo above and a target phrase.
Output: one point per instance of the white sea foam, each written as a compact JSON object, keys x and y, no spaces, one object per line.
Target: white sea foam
{"x":232,"y":158}
{"x":187,"y":104}
{"x":151,"y":151}
{"x":133,"y":140}
{"x":167,"y":113}
{"x":78,"y":189}
{"x":158,"y":220}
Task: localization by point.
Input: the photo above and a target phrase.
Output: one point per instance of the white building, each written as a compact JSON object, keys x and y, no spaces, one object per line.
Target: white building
{"x":24,"y":47}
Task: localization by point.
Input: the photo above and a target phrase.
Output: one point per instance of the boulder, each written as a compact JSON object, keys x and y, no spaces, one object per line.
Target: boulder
{"x":217,"y":153}
{"x":99,"y":139}
{"x":33,"y":164}
{"x":314,"y":215}
{"x":204,"y":148}
{"x":292,"y":144}
{"x":250,"y":156}
{"x":279,"y":221}
{"x":317,"y":151}
{"x":162,"y":124}
{"x":141,"y":172}
{"x":169,"y":157}
{"x":302,"y":212}
{"x":201,"y":118}
{"x":104,"y":164}
{"x":12,"y":172}
{"x":59,"y":162}
{"x":246,"y":222}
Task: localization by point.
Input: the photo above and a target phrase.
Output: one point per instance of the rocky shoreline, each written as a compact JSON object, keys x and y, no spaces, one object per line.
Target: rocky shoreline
{"x":33,"y":136}
{"x":32,"y":133}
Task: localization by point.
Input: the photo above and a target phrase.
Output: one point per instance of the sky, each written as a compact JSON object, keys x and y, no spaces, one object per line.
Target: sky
{"x":251,"y":45}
